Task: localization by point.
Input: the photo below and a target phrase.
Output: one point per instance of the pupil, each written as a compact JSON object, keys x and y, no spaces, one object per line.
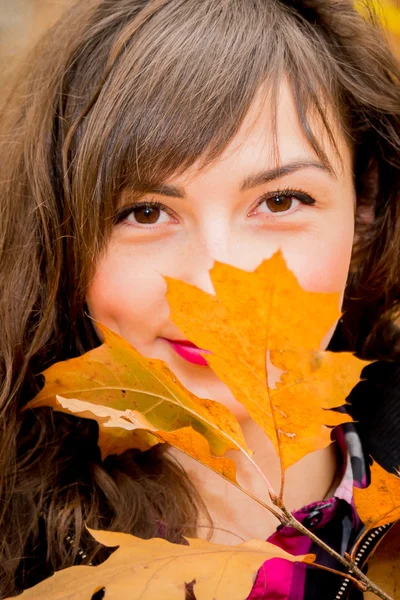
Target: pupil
{"x":147,"y":215}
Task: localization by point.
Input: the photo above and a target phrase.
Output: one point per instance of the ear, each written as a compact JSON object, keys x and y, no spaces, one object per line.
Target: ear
{"x":367,"y":187}
{"x":364,"y":218}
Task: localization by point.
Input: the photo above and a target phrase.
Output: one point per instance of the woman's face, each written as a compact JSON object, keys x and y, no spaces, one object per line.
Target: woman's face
{"x":238,"y":211}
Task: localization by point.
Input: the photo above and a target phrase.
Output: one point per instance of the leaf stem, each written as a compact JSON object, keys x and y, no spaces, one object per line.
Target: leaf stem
{"x":271,"y":490}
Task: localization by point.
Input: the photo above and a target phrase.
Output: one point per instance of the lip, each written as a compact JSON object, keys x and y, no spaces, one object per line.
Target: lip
{"x":188,"y":351}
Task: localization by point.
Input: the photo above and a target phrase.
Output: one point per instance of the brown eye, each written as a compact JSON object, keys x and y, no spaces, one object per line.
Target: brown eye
{"x":279,"y":203}
{"x":283,"y":201}
{"x":146,"y":215}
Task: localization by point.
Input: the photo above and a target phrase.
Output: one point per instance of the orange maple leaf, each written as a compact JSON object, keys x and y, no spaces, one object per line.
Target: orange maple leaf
{"x":379,"y":503}
{"x":264,"y":313}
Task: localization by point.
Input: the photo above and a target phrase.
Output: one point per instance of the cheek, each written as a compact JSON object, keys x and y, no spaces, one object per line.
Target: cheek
{"x":326,"y":272}
{"x":128,"y":296}
{"x":325,"y":268}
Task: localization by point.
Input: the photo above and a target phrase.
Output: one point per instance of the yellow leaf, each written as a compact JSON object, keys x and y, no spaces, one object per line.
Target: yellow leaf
{"x":115,"y":378}
{"x":387,"y":11}
{"x":379,"y":503}
{"x":156,"y":569}
{"x":195,"y":445}
{"x":266,"y":313}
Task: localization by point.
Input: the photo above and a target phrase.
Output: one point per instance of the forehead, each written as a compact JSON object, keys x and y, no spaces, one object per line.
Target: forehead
{"x":271,"y":136}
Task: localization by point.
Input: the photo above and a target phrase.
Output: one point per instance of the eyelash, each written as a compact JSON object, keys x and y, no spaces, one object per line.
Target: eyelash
{"x":122,"y":214}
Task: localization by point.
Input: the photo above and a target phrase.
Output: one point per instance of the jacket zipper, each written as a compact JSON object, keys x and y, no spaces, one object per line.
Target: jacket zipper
{"x":377,"y":532}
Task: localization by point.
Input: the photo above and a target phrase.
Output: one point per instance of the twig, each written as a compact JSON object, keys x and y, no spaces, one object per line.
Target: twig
{"x":269,"y":508}
{"x":280,"y":499}
{"x":356,"y":546}
{"x":286,"y":518}
{"x":356,"y":582}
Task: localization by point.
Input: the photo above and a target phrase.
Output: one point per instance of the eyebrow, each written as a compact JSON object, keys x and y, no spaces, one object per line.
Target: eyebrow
{"x":248,"y":183}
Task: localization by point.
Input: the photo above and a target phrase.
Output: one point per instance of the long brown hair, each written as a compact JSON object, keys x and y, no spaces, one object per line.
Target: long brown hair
{"x":118,"y":93}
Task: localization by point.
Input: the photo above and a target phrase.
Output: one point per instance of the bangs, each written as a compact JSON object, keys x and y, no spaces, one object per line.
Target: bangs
{"x":179,"y":83}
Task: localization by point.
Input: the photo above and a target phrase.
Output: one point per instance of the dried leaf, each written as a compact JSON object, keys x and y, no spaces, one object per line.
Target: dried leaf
{"x":379,"y":503}
{"x":113,"y":424}
{"x":115,"y":377}
{"x":150,"y":569}
{"x":266,"y":314}
{"x":117,"y":428}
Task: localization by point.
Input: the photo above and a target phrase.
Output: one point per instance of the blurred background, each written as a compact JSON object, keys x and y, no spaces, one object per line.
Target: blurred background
{"x":23,"y":21}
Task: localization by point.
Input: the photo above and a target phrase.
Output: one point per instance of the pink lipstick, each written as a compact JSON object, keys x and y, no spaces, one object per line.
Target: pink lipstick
{"x":188,"y":351}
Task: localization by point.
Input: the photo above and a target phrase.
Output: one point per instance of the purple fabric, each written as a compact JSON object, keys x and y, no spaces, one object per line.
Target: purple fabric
{"x":276,"y":577}
{"x":273,"y":581}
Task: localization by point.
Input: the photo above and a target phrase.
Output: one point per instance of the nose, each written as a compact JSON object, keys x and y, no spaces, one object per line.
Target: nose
{"x":215,"y":243}
{"x":209,"y":242}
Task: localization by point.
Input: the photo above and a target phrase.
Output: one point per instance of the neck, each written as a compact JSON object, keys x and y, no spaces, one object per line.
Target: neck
{"x":233,"y":511}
